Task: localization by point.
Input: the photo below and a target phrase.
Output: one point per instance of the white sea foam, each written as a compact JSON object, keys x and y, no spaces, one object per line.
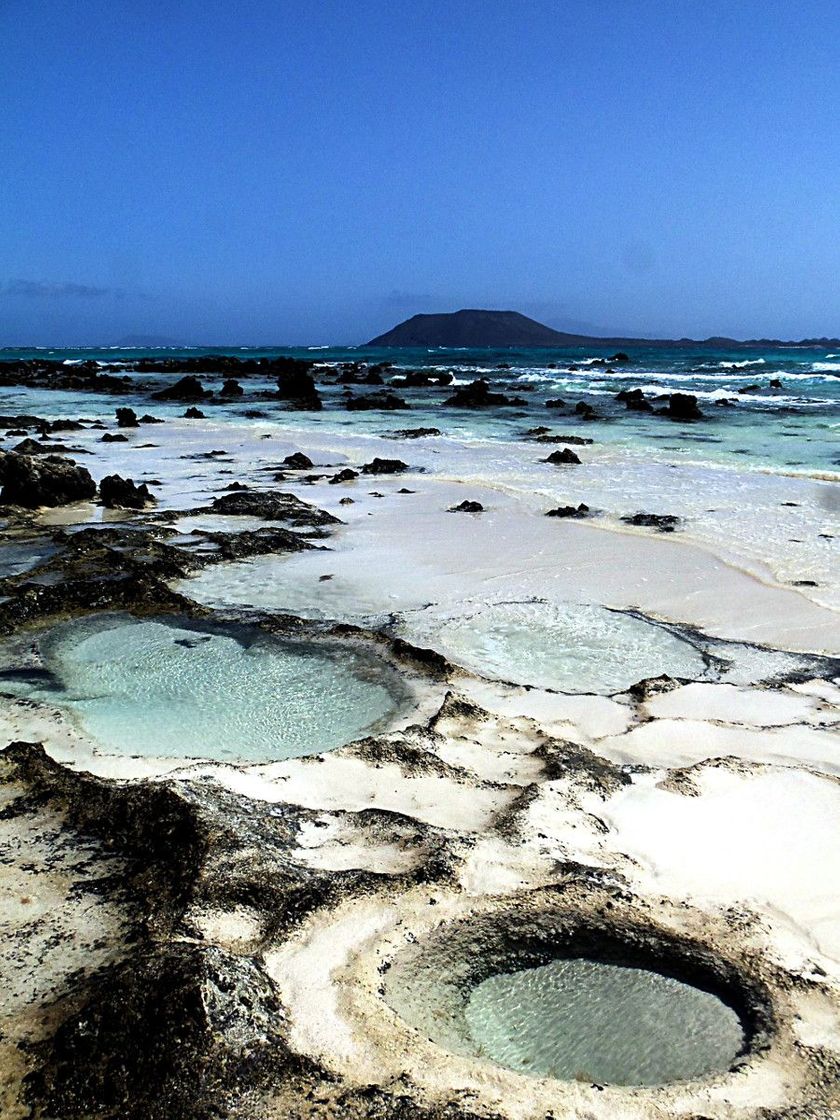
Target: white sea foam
{"x":742,"y":365}
{"x":826,"y":367}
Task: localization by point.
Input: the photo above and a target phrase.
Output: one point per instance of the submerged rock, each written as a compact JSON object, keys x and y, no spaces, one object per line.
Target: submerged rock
{"x":116,"y":492}
{"x":663,"y":522}
{"x":45,"y":481}
{"x":413,"y":433}
{"x":114,"y":437}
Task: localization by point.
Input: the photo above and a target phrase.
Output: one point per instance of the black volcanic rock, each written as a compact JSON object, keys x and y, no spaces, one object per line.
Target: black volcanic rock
{"x":384,"y":466}
{"x":45,"y":481}
{"x":413,"y":433}
{"x":298,"y":461}
{"x":295,"y":384}
{"x":662,"y":522}
{"x":467,"y":507}
{"x":387,"y":401}
{"x":577,"y":512}
{"x":564,"y":457}
{"x":477,"y":395}
{"x":116,"y":492}
{"x":346,"y":475}
{"x":127,"y":418}
{"x":683,"y":406}
{"x":188,"y":388}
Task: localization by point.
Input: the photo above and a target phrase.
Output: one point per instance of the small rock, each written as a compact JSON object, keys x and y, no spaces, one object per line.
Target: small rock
{"x":114,"y":437}
{"x":467,"y":507}
{"x":569,"y":511}
{"x":127,"y":418}
{"x":662,"y":522}
{"x":384,"y":466}
{"x":564,"y":456}
{"x":186,"y":389}
{"x":347,"y":475}
{"x":194,"y":414}
{"x":116,"y":492}
{"x":298,"y":461}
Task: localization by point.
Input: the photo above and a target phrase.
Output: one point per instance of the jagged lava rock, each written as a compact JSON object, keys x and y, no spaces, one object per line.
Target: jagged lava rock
{"x":45,"y":481}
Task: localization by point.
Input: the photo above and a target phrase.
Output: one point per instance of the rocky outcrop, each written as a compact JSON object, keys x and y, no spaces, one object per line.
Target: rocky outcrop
{"x":384,"y":466}
{"x":296,"y":386}
{"x":478,"y":395}
{"x":387,"y":402}
{"x":186,"y":389}
{"x":116,"y":492}
{"x":563,"y":457}
{"x":298,"y":462}
{"x":346,"y":475}
{"x":44,"y":481}
{"x":272,"y":505}
{"x":682,"y":406}
{"x":413,"y":433}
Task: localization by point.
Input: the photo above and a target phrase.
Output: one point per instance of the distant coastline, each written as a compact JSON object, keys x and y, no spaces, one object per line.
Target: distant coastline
{"x":479,"y":329}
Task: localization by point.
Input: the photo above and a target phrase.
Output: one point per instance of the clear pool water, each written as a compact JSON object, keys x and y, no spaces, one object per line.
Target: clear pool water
{"x":160,"y":688}
{"x":572,"y":647}
{"x":580,"y":1019}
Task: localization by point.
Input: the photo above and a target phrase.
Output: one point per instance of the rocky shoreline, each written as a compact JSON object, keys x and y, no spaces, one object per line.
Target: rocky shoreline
{"x":194,"y":939}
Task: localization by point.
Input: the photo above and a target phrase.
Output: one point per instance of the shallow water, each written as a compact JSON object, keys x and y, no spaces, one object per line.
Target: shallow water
{"x":586,"y":1020}
{"x":156,"y":688}
{"x":572,"y":647}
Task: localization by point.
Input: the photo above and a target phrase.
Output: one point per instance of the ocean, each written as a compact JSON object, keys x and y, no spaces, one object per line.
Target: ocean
{"x":794,"y":428}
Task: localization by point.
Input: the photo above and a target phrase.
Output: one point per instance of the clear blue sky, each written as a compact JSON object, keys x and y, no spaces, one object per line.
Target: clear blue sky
{"x":313,"y":171}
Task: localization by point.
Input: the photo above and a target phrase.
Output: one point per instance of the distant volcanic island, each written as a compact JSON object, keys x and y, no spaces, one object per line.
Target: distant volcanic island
{"x":475,"y":329}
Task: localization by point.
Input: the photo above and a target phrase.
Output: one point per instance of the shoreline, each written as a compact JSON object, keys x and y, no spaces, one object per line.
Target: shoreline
{"x":677,"y":790}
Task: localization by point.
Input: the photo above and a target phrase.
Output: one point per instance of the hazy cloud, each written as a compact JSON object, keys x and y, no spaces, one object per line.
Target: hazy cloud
{"x":44,"y":289}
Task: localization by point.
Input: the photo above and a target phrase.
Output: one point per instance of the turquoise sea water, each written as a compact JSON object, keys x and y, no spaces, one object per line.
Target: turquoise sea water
{"x":795,"y":427}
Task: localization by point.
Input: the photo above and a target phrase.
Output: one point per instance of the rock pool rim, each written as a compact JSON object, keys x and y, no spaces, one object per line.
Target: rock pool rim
{"x":404,"y":671}
{"x":494,"y":944}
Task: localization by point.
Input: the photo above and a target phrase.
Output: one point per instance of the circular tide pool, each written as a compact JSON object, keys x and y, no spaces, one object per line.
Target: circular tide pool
{"x":587,"y":1020}
{"x":173,"y":689}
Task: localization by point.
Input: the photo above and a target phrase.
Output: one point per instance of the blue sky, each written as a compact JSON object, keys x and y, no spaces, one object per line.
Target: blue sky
{"x":312,"y":172}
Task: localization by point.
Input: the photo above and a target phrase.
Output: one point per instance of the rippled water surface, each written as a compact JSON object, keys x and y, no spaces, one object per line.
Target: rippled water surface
{"x":585,"y":1020}
{"x":153,"y":688}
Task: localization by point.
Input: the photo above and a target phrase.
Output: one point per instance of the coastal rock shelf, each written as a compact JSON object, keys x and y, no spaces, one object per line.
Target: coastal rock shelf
{"x":176,"y":689}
